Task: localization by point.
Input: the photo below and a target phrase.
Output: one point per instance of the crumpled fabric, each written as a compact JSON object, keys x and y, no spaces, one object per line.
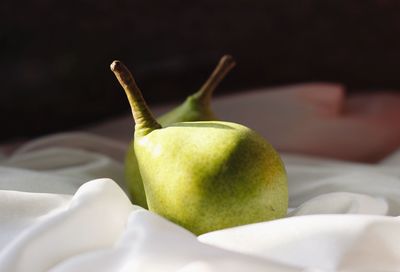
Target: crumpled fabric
{"x":63,"y":207}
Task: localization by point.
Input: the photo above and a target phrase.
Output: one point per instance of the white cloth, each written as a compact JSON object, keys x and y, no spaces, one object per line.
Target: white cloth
{"x":62,"y":209}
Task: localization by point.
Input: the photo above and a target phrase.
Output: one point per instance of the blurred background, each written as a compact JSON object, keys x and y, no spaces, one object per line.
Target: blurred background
{"x":55,"y":55}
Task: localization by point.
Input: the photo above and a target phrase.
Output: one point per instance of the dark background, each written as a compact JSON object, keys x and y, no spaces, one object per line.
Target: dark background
{"x":55,"y":55}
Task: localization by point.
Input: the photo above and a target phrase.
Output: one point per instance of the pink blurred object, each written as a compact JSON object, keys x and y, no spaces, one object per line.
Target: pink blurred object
{"x":314,"y":119}
{"x":318,"y":119}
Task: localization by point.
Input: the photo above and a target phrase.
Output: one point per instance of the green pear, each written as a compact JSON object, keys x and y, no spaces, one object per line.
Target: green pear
{"x":195,"y":108}
{"x":205,"y":175}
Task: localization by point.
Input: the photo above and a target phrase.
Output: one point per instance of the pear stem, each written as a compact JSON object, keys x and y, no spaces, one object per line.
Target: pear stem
{"x":144,"y":119}
{"x":225,"y":64}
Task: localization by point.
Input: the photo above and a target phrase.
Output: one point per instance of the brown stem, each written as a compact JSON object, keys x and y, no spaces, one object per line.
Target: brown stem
{"x":225,"y":64}
{"x":144,"y":119}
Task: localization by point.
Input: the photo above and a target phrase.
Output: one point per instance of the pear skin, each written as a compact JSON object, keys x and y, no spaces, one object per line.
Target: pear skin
{"x":217,"y":175}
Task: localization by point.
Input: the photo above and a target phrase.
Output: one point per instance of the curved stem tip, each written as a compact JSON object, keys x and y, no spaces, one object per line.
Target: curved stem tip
{"x":144,"y":119}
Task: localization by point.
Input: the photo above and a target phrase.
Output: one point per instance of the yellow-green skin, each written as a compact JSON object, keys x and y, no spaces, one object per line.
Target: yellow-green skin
{"x":193,"y":109}
{"x":212,"y":175}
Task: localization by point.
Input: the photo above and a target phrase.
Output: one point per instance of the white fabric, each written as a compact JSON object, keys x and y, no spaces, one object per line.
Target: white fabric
{"x":61,"y":209}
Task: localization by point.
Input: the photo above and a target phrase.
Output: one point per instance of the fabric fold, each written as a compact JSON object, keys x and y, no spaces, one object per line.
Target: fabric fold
{"x":57,"y":215}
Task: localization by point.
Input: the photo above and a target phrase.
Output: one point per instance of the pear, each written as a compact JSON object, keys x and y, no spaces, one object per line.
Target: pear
{"x":195,"y":108}
{"x":205,"y":175}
